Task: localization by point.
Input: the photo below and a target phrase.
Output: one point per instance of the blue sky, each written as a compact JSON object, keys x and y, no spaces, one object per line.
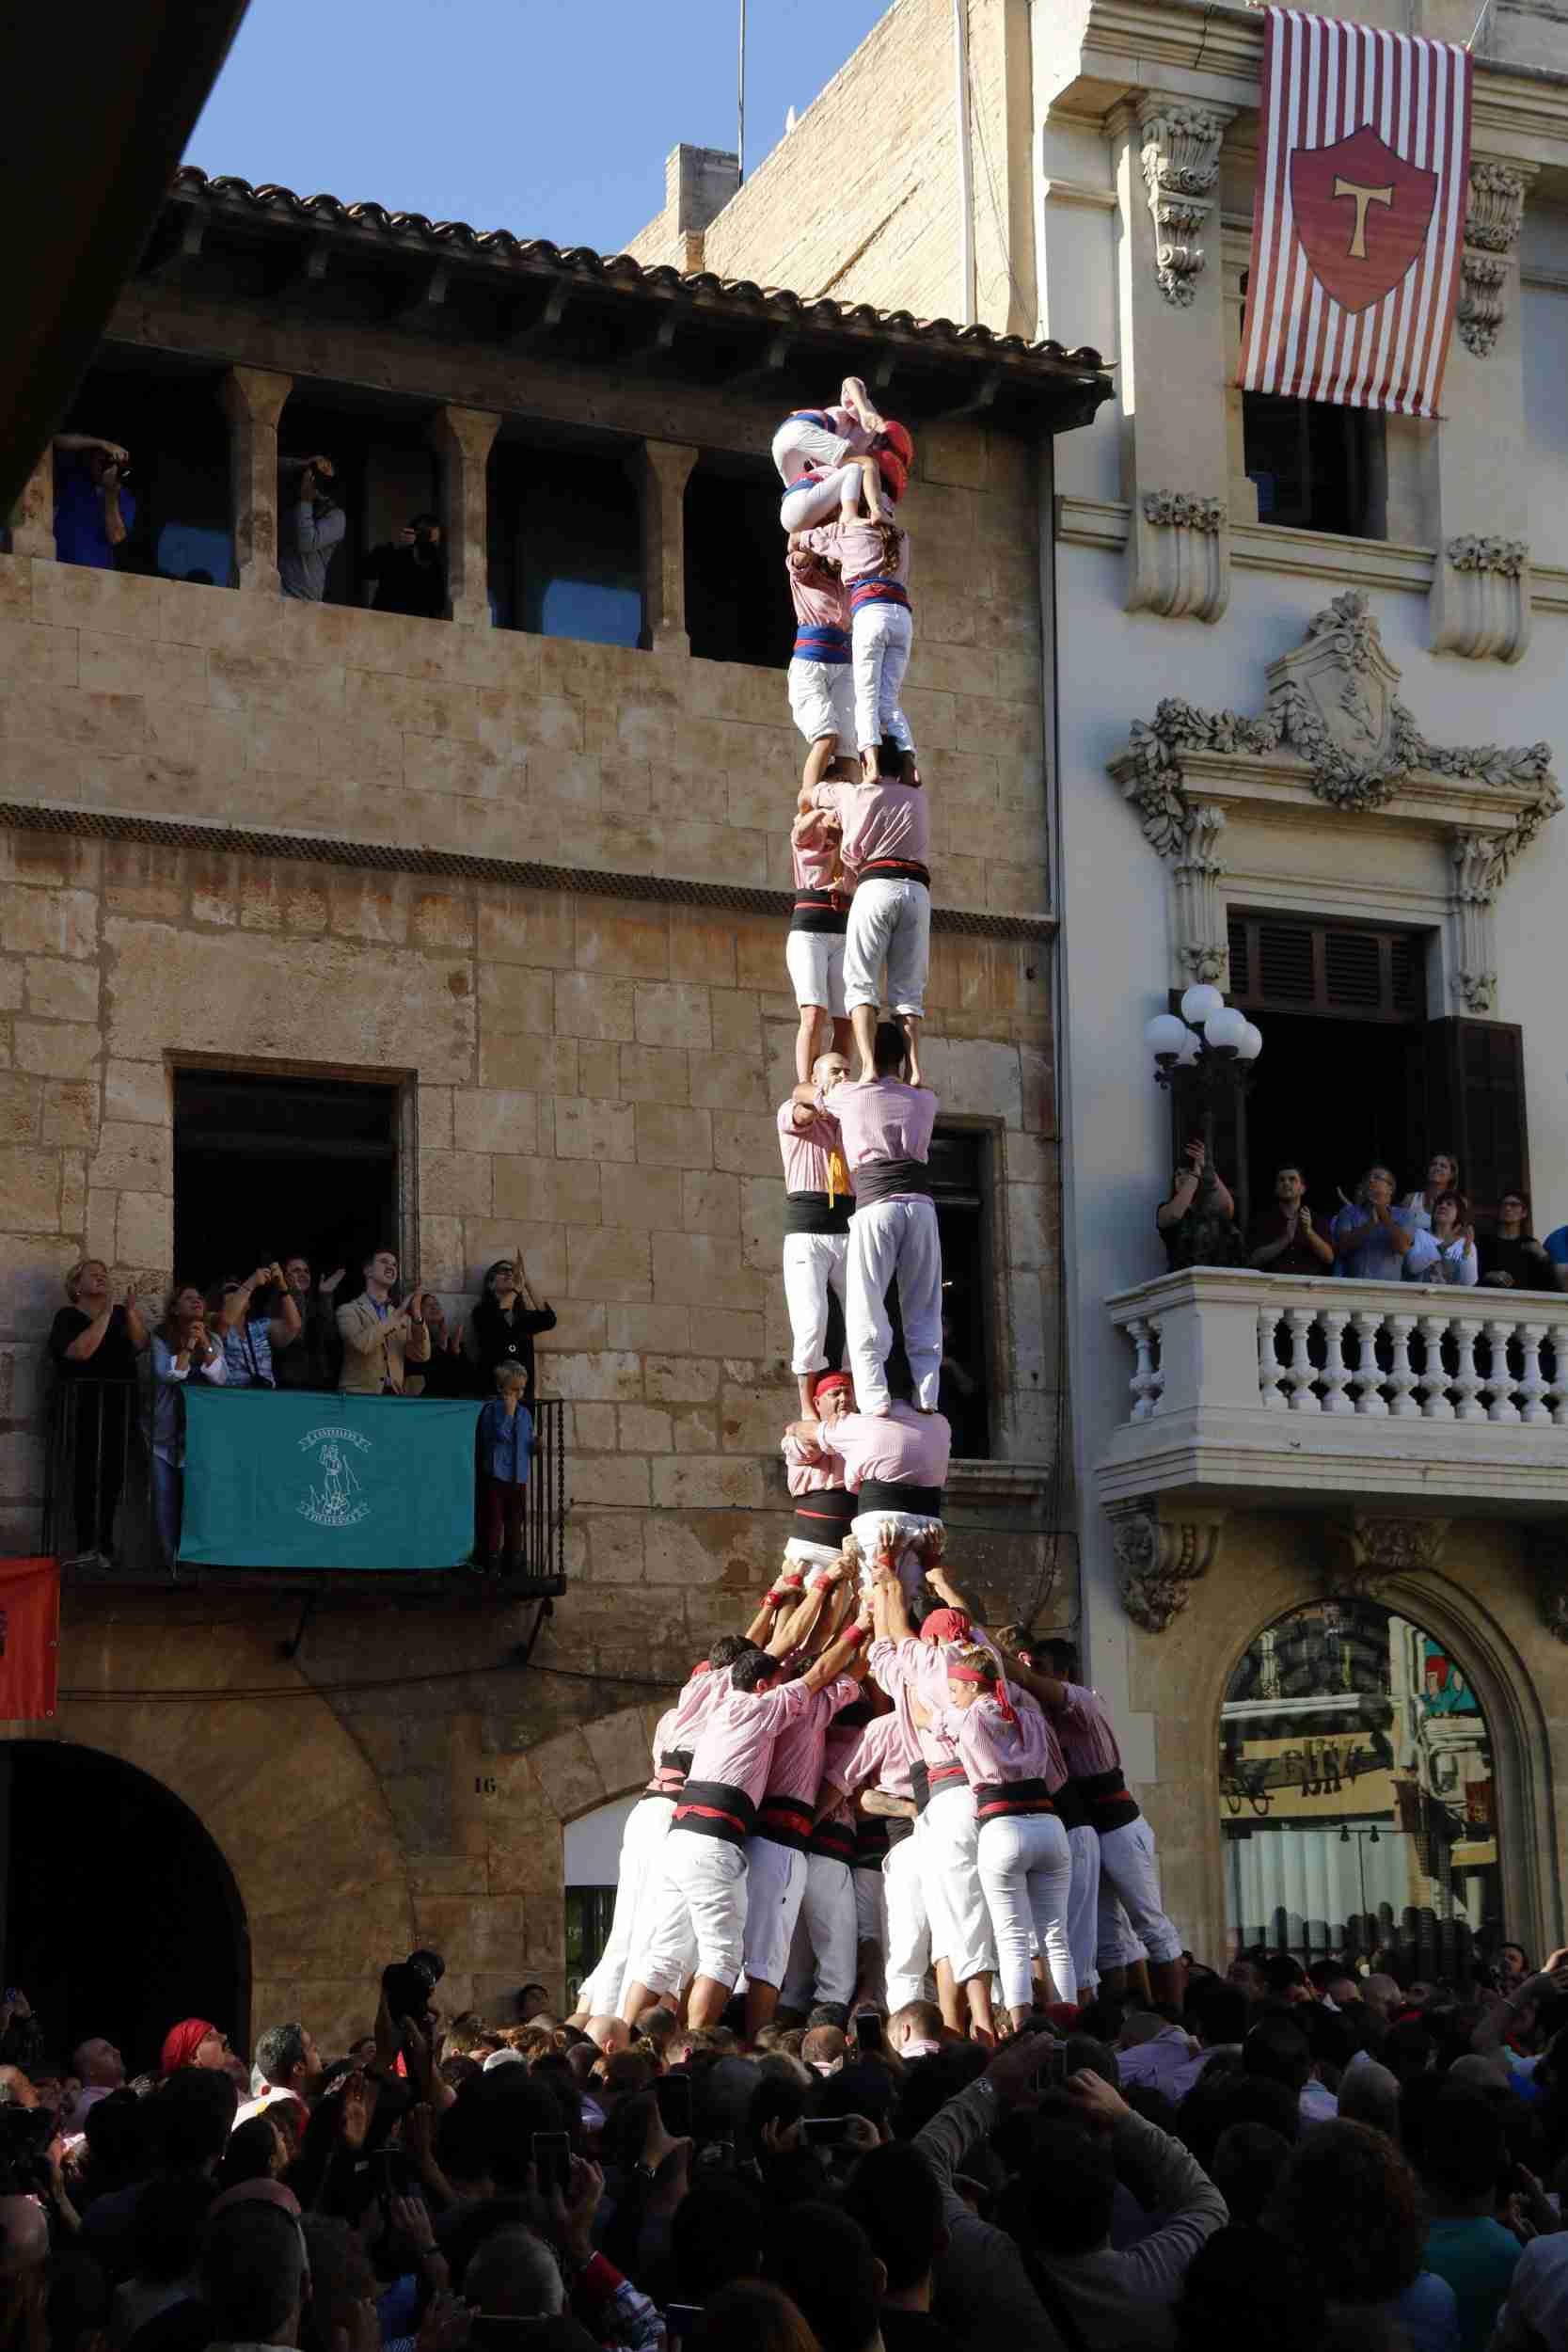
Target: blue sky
{"x":550,"y":118}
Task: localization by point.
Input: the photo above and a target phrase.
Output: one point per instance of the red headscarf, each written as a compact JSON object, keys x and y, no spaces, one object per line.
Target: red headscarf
{"x":834,"y":1380}
{"x":181,"y":2042}
{"x":970,"y":1669}
{"x":947,"y":1625}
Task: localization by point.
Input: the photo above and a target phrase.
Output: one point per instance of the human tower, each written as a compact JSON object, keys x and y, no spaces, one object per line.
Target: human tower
{"x":864,"y":1794}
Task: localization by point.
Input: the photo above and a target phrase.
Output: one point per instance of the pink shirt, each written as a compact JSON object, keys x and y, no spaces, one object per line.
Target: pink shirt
{"x":798,"y":1752}
{"x":914,"y":1670}
{"x":1084,"y":1728}
{"x":816,"y":592}
{"x":806,"y":1473}
{"x":879,"y":1759}
{"x":696,"y":1702}
{"x":856,"y":548}
{"x":900,"y":1447}
{"x":812,"y":867}
{"x":735,"y":1745}
{"x":664,"y":1732}
{"x":991,"y":1749}
{"x":806,"y":1150}
{"x":882,"y":819}
{"x":882,"y":1119}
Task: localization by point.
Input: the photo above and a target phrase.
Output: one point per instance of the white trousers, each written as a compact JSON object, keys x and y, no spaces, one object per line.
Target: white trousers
{"x":798,"y":444}
{"x":950,"y":1868}
{"x":822,"y":1956}
{"x":1025,"y":1866}
{"x":823,"y":699}
{"x":881,"y":636}
{"x":909,"y":1922}
{"x":891,"y":1237}
{"x":870,"y":1893}
{"x":891,"y":1530}
{"x":639,"y":1876}
{"x":1130,"y":1901}
{"x":698,"y":1918}
{"x":1083,"y":1909}
{"x":813,"y":1265}
{"x":890,"y":922}
{"x":811,"y":1556}
{"x":815,"y":501}
{"x":814,"y":962}
{"x":775,"y":1889}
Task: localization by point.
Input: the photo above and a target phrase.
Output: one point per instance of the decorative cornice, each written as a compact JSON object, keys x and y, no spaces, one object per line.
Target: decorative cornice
{"x":1480,"y":312}
{"x":1508,"y":556}
{"x":517,"y":874}
{"x":1159,"y":1559}
{"x":1498,"y":192}
{"x":1481,"y":598}
{"x":1181,"y":155}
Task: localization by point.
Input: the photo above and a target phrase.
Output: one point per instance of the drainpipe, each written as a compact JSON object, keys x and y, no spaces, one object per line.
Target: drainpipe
{"x":966,"y":160}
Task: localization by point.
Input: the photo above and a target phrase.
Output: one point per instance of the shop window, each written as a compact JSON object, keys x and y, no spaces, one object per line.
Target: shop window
{"x":565,"y":544}
{"x":177,"y":435}
{"x":737,"y":604}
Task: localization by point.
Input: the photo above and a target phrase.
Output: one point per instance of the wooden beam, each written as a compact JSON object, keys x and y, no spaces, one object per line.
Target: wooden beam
{"x":174,"y":257}
{"x":419,"y":308}
{"x":766,"y":371}
{"x":541,"y":327}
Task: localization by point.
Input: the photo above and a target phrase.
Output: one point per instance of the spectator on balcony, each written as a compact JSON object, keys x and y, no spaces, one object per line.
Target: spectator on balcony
{"x":94,"y":1342}
{"x":410,"y":571}
{"x":447,"y":1373}
{"x":506,"y":1322}
{"x":1372,"y":1238}
{"x":1510,"y":1258}
{"x":1442,"y":1176}
{"x":257,"y":1317}
{"x":380,"y":1338}
{"x":311,"y":1359}
{"x":312,"y":528}
{"x":182,"y":1350}
{"x":1197,"y":1223}
{"x":1289,"y":1238}
{"x":93,"y":509}
{"x":1556,"y":1247}
{"x":506,"y":1444}
{"x":1450,"y":1251}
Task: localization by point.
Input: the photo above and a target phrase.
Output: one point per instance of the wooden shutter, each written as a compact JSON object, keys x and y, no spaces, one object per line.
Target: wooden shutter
{"x":1342,"y":970}
{"x":1475,"y":1104}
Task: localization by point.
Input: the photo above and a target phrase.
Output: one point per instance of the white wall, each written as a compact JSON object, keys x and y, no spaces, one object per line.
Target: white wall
{"x":594,"y":1845}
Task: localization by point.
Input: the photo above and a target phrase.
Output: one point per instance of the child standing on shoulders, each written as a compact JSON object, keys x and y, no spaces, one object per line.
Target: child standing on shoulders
{"x":813,"y":951}
{"x":821,"y":687}
{"x":874,"y":563}
{"x":820,"y":453}
{"x":506,"y":1445}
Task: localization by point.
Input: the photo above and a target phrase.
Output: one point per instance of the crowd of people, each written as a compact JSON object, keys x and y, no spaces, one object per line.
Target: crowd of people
{"x":287,"y":1326}
{"x":1430,"y":1236}
{"x":1307,"y":2158}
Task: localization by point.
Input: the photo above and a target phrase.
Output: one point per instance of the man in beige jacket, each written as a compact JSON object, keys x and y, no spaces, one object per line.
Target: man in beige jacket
{"x":378,"y":1338}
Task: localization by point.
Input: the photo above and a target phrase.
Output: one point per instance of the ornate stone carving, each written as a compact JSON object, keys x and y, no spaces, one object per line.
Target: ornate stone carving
{"x":1202,"y":944}
{"x":1179,"y":556}
{"x":1491,"y":233}
{"x":1181,"y":166}
{"x":1482,"y":599}
{"x":1374,"y":1548}
{"x":1478,"y":873}
{"x":1158,"y":1558}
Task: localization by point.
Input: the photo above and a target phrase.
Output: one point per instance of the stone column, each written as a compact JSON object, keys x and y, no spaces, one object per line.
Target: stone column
{"x":253,"y":401}
{"x":33,"y":516}
{"x":663,"y":470}
{"x":462,"y":437}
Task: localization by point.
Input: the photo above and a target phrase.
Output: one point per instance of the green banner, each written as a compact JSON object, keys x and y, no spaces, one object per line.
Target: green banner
{"x":279,"y":1479}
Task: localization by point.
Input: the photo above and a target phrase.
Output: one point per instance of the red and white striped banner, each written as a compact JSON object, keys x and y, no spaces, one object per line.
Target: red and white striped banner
{"x":1359,"y":214}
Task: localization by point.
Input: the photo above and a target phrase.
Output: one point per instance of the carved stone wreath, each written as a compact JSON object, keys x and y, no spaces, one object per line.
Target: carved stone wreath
{"x":1332,"y":702}
{"x":1472,"y":554}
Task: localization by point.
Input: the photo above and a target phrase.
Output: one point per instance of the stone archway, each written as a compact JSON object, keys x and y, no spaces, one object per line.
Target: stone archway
{"x":280,"y":1785}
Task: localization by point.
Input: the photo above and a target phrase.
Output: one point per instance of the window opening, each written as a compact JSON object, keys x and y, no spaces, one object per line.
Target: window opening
{"x":175,"y":432}
{"x":1315,"y":467}
{"x":565,"y":544}
{"x":738,"y":602}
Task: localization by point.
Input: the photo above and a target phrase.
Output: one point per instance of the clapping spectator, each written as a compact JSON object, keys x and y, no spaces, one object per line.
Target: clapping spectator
{"x":379,"y":1338}
{"x":93,"y":510}
{"x":184,"y":1350}
{"x":1373,"y":1239}
{"x":312,"y":528}
{"x":1450,"y":1252}
{"x":1197,"y":1223}
{"x":447,"y":1373}
{"x":1442,"y":1176}
{"x":256,"y":1316}
{"x":310,"y":1359}
{"x":95,"y":1342}
{"x":506,"y":1443}
{"x":507,"y":1320}
{"x":410,"y":571}
{"x":1510,"y":1258}
{"x":1289,"y":1239}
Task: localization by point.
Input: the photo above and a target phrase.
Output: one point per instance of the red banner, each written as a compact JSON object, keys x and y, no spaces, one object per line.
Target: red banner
{"x":1359,"y":214}
{"x":30,"y":1639}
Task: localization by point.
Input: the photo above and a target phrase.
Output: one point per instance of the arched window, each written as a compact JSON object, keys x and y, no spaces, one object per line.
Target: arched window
{"x":1356,"y":1794}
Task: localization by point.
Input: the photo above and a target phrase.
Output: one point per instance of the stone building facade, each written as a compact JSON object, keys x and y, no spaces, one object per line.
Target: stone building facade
{"x":1210,"y":553}
{"x":538,"y":886}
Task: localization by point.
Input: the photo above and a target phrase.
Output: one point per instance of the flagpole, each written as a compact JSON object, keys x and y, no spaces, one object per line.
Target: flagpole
{"x":741,"y":105}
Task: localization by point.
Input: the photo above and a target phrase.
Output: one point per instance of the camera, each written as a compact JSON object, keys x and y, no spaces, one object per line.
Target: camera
{"x":24,"y":2137}
{"x":408,"y":1984}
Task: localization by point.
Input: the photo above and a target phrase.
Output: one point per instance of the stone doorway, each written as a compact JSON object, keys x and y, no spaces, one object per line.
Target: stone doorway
{"x":122,"y":1914}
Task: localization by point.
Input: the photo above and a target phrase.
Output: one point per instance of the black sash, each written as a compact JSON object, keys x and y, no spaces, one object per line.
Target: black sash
{"x":1071,"y":1809}
{"x":819,"y":911}
{"x":809,"y":1212}
{"x":891,"y":1180}
{"x":1107,"y":1799}
{"x":928,"y":1782}
{"x":822,"y":1518}
{"x":895,"y":869}
{"x":998,"y":1800}
{"x":871,"y":1838}
{"x":892,"y":1494}
{"x":787,"y":1820}
{"x":711,"y":1808}
{"x":834,"y":1840}
{"x":899,"y":1826}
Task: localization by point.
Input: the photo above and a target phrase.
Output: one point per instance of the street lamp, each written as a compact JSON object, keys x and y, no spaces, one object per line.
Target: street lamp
{"x":1204,"y":1055}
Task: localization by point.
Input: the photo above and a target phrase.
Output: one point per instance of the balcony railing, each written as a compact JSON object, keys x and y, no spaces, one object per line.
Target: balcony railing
{"x":1243,"y":1380}
{"x":99,"y":1483}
